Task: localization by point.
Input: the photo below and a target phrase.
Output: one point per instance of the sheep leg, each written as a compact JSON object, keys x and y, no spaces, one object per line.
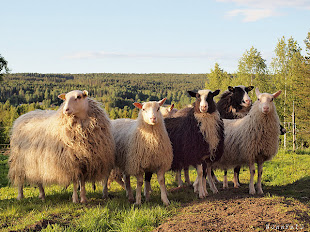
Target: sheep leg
{"x":139,"y":188}
{"x":186,"y":174}
{"x":204,"y":180}
{"x":120,"y":182}
{"x":162,"y":185}
{"x":75,"y":197}
{"x":20,"y":191}
{"x":42,"y":193}
{"x":178,"y":178}
{"x":105,"y":186}
{"x":210,"y":179}
{"x":236,"y":177}
{"x":147,"y":185}
{"x":94,"y":185}
{"x":195,"y":185}
{"x":128,"y":188}
{"x":83,"y":191}
{"x":200,"y":184}
{"x":252,"y":173}
{"x":225,"y":182}
{"x":215,"y":180}
{"x":259,"y":178}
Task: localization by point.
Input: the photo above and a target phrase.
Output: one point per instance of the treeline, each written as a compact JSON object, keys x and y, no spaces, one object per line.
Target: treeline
{"x":289,"y":71}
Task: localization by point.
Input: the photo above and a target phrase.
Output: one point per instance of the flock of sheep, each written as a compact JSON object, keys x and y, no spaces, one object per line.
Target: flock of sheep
{"x":78,"y":143}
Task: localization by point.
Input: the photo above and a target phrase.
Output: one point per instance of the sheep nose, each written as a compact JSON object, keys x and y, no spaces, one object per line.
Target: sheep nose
{"x":67,"y":109}
{"x":266,"y":108}
{"x":248,"y":102}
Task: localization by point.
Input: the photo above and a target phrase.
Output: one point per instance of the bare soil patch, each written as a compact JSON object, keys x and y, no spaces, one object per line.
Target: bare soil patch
{"x":236,"y":210}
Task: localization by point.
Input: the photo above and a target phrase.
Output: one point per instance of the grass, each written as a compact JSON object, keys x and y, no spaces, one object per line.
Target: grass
{"x":288,"y":175}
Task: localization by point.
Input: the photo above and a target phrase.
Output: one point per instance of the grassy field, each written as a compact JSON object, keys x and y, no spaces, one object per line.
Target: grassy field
{"x":287,"y":177}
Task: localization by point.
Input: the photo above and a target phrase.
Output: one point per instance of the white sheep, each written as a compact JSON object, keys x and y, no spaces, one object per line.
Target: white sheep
{"x":252,"y":139}
{"x":143,"y":145}
{"x":71,"y":145}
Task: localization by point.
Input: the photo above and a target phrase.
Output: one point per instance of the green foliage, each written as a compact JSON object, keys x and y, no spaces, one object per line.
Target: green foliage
{"x":3,"y":65}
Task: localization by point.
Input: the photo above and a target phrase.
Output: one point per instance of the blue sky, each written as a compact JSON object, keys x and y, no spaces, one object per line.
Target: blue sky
{"x":133,"y":36}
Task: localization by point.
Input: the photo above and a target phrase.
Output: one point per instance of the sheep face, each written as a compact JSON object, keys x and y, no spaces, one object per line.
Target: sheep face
{"x":75,"y":103}
{"x":204,"y":100}
{"x":240,"y":95}
{"x":150,"y":111}
{"x":265,"y":100}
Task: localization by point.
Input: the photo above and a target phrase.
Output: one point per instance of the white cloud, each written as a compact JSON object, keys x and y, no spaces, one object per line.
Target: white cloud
{"x":254,"y":10}
{"x":252,"y":15}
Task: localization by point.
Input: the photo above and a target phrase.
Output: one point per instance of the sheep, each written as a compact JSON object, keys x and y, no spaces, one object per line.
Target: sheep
{"x":234,"y":103}
{"x":71,"y":145}
{"x":116,"y":174}
{"x":253,"y":138}
{"x":169,"y":111}
{"x":197,"y":136}
{"x":143,"y":145}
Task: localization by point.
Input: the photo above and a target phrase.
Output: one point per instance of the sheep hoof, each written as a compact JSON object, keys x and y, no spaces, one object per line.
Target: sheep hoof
{"x":260,"y":192}
{"x":75,"y":200}
{"x":166,"y":203}
{"x":83,"y":201}
{"x":252,"y":191}
{"x":131,"y":200}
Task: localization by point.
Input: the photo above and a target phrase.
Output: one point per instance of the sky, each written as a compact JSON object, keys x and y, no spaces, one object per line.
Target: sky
{"x":144,"y":36}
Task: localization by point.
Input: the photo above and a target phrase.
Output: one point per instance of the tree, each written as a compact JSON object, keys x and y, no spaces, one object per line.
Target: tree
{"x":218,"y":79}
{"x":288,"y":68}
{"x":3,"y":65}
{"x":252,"y":70}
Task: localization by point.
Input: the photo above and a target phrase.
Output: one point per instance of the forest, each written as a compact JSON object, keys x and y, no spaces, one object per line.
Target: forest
{"x":289,"y":71}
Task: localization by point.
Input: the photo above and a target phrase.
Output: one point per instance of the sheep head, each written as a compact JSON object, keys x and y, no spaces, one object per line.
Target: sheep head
{"x":75,"y":103}
{"x":265,"y":100}
{"x":204,"y":100}
{"x":150,"y":111}
{"x":240,"y":95}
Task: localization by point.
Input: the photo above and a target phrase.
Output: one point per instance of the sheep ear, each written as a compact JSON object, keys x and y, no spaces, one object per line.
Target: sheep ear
{"x":249,"y":88}
{"x":161,"y":102}
{"x":171,"y":107}
{"x":216,"y":92}
{"x":138,"y":105}
{"x":192,"y":93}
{"x":62,"y":96}
{"x":276,"y":94}
{"x":257,"y":92}
{"x":231,"y":89}
{"x":85,"y":93}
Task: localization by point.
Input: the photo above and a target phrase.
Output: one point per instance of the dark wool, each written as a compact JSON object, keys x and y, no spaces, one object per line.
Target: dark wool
{"x":189,"y":145}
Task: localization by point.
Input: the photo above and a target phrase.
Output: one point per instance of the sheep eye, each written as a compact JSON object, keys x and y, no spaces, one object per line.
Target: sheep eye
{"x":271,"y":99}
{"x":258,"y":99}
{"x":158,"y":109}
{"x":79,"y":97}
{"x":143,"y":109}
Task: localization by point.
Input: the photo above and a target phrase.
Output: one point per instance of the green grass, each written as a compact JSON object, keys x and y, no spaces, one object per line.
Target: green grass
{"x":288,"y":175}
